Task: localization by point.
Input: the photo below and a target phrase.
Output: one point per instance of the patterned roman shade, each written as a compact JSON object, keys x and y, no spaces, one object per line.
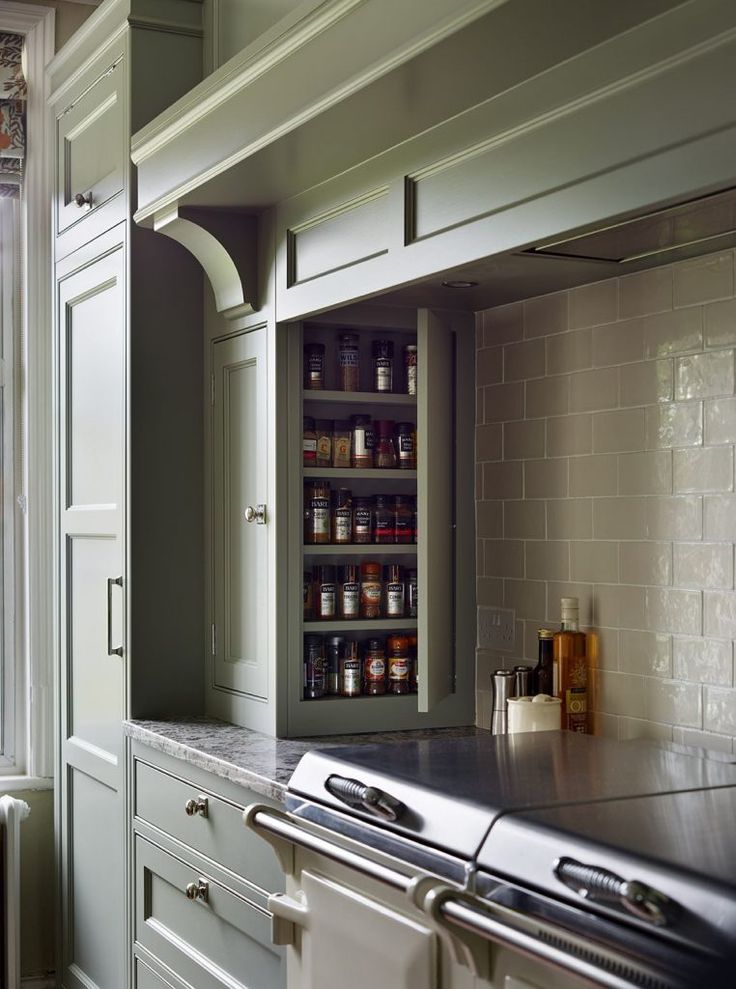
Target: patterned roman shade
{"x":12,"y":114}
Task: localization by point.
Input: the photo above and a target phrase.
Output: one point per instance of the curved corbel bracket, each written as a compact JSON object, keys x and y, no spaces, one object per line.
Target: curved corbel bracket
{"x":224,"y":243}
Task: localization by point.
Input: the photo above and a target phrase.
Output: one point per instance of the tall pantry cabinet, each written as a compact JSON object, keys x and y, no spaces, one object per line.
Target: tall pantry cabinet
{"x":129,"y":557}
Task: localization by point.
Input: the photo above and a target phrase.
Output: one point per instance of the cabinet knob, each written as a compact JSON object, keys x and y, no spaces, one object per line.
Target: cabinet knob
{"x":198,"y":891}
{"x":199,"y":806}
{"x":83,"y":199}
{"x":257,"y":514}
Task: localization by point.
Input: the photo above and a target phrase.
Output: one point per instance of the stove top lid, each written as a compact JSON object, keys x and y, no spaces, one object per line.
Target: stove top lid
{"x":455,"y":788}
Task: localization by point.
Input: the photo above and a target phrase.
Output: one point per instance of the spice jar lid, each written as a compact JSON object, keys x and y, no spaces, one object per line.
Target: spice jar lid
{"x":383,"y":348}
{"x":374,"y":644}
{"x":410,"y":348}
{"x":324,"y":573}
{"x":348,"y":573}
{"x":342,"y":425}
{"x":382,"y":501}
{"x":397,"y":644}
{"x":312,"y":640}
{"x":362,"y":501}
{"x":370,"y":568}
{"x":360,"y":420}
{"x":392,"y":572}
{"x":334,"y":641}
{"x":348,"y":339}
{"x":314,"y":348}
{"x":384,"y":427}
{"x":404,"y":427}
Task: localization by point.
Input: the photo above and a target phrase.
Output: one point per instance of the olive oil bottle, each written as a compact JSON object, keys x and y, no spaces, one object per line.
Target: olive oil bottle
{"x":571,"y":669}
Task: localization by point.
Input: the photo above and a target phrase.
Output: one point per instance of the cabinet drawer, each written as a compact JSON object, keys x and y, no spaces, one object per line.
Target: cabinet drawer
{"x":220,"y":939}
{"x":146,"y":978}
{"x":160,"y":800}
{"x":91,"y":154}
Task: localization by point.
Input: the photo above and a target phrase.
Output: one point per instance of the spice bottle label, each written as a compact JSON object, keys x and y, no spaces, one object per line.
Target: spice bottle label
{"x":320,"y":509}
{"x":364,"y":442}
{"x":343,"y":525}
{"x":395,"y":600}
{"x":375,"y":668}
{"x":351,"y":677}
{"x":341,"y":453}
{"x":411,"y":379}
{"x":383,"y":367}
{"x":327,"y":600}
{"x":362,"y":520}
{"x":324,"y":448}
{"x":398,"y":668}
{"x":310,"y":448}
{"x":350,"y":600}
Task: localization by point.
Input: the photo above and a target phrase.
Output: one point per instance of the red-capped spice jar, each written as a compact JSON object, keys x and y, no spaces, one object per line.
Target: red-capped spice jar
{"x":398,"y":664}
{"x":394,"y":591}
{"x":324,"y":593}
{"x":374,"y":667}
{"x":370,"y":590}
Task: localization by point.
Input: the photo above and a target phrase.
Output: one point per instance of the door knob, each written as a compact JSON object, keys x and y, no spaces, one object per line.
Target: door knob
{"x":198,"y":891}
{"x":83,"y":199}
{"x":199,"y":806}
{"x":257,"y":514}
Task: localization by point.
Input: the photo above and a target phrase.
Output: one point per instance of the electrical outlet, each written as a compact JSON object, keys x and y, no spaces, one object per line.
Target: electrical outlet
{"x":496,"y":629}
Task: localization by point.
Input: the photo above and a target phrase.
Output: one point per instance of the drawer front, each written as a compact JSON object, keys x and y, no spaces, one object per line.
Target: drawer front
{"x":91,"y":152}
{"x":161,"y":799}
{"x":146,"y":978}
{"x":219,"y":940}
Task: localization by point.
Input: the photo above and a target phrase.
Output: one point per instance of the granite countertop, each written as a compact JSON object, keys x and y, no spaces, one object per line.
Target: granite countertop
{"x":261,"y":762}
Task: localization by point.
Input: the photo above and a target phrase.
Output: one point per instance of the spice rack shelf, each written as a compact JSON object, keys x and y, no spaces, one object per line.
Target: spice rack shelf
{"x":361,"y":549}
{"x":361,"y":397}
{"x":370,"y":473}
{"x":364,"y":625}
{"x":362,"y":700}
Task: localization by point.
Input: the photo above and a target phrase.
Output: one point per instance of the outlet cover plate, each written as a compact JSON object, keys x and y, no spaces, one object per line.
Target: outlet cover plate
{"x":497,"y":629}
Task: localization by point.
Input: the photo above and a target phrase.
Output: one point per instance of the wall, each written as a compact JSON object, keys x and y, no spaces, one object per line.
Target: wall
{"x":38,"y":883}
{"x":606,"y":423}
{"x":68,"y":18}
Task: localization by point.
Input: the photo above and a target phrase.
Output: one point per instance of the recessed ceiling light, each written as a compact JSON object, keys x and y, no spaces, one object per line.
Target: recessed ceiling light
{"x":458,"y":283}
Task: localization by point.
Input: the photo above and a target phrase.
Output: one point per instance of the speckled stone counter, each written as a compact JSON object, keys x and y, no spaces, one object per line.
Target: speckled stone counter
{"x":260,"y":762}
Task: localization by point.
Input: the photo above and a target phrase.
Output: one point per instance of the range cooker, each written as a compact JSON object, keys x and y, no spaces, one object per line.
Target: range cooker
{"x":579,"y":860}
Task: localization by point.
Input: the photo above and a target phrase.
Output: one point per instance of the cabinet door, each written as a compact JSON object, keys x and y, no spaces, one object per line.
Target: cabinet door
{"x":91,"y":390}
{"x":240,"y":548}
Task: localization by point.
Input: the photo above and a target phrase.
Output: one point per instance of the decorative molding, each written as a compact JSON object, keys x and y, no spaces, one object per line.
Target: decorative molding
{"x":224,"y":243}
{"x":41,"y":981}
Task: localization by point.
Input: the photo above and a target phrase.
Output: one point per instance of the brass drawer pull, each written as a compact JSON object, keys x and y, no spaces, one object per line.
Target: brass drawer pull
{"x":198,"y":891}
{"x":199,"y":806}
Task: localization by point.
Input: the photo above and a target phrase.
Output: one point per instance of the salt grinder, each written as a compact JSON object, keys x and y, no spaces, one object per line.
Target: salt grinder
{"x":503,"y":683}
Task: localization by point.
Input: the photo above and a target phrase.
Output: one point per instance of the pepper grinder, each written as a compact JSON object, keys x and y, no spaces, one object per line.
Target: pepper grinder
{"x":503,"y":684}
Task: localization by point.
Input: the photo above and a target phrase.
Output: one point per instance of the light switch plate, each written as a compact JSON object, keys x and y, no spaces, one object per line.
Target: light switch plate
{"x":497,"y":629}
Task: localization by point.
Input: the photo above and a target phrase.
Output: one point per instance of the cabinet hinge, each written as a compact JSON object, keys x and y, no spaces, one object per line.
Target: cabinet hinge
{"x":212,"y":390}
{"x":214,"y":639}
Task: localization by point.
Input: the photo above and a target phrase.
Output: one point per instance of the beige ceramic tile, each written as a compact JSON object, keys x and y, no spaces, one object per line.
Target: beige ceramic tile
{"x":503,"y":402}
{"x":546,"y":478}
{"x":703,"y":660}
{"x":621,"y":431}
{"x":702,"y":739}
{"x":620,"y":518}
{"x":526,"y":597}
{"x":594,"y":561}
{"x":546,"y":314}
{"x":524,"y":520}
{"x":705,"y":375}
{"x":645,"y":653}
{"x":591,"y":305}
{"x":704,"y":279}
{"x":719,"y":517}
{"x":503,"y":324}
{"x":720,"y":421}
{"x":607,"y":605}
{"x":674,"y":424}
{"x":569,"y":435}
{"x":720,"y":323}
{"x":591,"y":390}
{"x":679,"y":517}
{"x":489,"y":365}
{"x":556,"y":590}
{"x":645,"y":473}
{"x":720,"y":710}
{"x":618,"y":343}
{"x":547,"y":396}
{"x":504,"y":558}
{"x":489,"y":519}
{"x":571,"y":351}
{"x":673,"y":333}
{"x":631,"y":728}
{"x":570,"y":518}
{"x":661,"y":609}
{"x":620,"y":693}
{"x":703,"y":565}
{"x":503,"y":479}
{"x":703,"y":469}
{"x":646,"y":292}
{"x":488,"y":442}
{"x":489,"y":592}
{"x":547,"y":560}
{"x":524,"y":439}
{"x":523,"y":360}
{"x":719,"y":614}
{"x":674,"y":702}
{"x":646,"y":383}
{"x":596,"y":475}
{"x":646,"y":563}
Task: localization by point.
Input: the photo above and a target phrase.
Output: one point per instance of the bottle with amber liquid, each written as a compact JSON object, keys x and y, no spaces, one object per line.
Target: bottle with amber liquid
{"x":571,"y":669}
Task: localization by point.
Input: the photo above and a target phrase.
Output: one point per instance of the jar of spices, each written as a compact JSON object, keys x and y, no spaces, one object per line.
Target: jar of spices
{"x":412,"y":593}
{"x":309,"y":442}
{"x":362,"y":520}
{"x":374,"y":667}
{"x":350,"y":678}
{"x":405,"y":448}
{"x":314,"y":366}
{"x":363,"y":441}
{"x":410,"y":368}
{"x":317,"y":514}
{"x":398,"y":664}
{"x":394,"y":591}
{"x":314,"y":667}
{"x":348,"y":361}
{"x":324,"y":593}
{"x":413,"y":663}
{"x":307,"y":595}
{"x":370,"y":590}
{"x":383,"y":365}
{"x":403,"y":519}
{"x":342,"y":517}
{"x":383,"y":521}
{"x":333,"y":648}
{"x":348,"y":591}
{"x":341,"y":443}
{"x":324,"y":442}
{"x":385,"y":453}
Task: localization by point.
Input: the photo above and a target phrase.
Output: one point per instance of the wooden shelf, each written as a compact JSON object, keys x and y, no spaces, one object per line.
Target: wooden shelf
{"x":372,"y":473}
{"x":362,"y":549}
{"x":361,"y":397}
{"x":363,"y":625}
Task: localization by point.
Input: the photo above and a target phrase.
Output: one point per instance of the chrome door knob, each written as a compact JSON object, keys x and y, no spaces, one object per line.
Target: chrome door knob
{"x":257,"y":514}
{"x":198,"y":891}
{"x":83,"y":199}
{"x":199,"y":806}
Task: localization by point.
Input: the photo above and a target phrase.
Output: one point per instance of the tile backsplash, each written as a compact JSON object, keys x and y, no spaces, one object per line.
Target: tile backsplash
{"x":605,"y":431}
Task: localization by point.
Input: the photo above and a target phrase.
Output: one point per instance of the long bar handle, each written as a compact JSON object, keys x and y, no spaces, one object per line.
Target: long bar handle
{"x":111,"y":581}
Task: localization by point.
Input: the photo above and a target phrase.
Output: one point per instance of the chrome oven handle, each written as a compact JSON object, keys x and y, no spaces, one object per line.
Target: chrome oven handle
{"x":596,"y":884}
{"x":368,"y":798}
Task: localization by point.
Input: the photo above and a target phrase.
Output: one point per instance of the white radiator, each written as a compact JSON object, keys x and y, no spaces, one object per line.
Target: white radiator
{"x":12,"y":812}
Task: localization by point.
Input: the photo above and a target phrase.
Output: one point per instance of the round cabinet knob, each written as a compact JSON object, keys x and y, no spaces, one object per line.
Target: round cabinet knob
{"x":83,"y":199}
{"x":197,"y":891}
{"x":257,"y":514}
{"x":199,"y":806}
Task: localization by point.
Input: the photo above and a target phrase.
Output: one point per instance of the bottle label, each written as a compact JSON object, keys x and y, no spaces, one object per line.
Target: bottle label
{"x":327,"y":600}
{"x":351,"y":676}
{"x":384,"y":376}
{"x":406,"y":444}
{"x":576,"y":700}
{"x":341,"y":453}
{"x":364,"y":442}
{"x":375,"y":668}
{"x":310,"y":446}
{"x":343,"y":520}
{"x":350,"y":600}
{"x":320,"y":509}
{"x":362,"y":520}
{"x":348,"y":358}
{"x":384,"y":530}
{"x":398,"y":668}
{"x":403,"y":529}
{"x":324,"y":447}
{"x":411,"y":379}
{"x":395,"y":600}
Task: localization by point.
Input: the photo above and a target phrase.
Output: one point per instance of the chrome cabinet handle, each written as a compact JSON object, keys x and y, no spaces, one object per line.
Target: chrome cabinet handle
{"x":369,"y":798}
{"x":257,"y":514}
{"x":198,"y":891}
{"x":118,"y":651}
{"x":83,"y":199}
{"x":594,"y":883}
{"x":199,"y":806}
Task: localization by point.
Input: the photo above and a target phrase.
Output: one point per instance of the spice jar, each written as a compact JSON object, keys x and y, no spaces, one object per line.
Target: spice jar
{"x":383,"y":365}
{"x":314,"y":667}
{"x":350,"y":678}
{"x":410,"y":368}
{"x":403,"y":519}
{"x":317,"y":513}
{"x":324,"y":442}
{"x":348,"y":591}
{"x":333,"y":648}
{"x":413,"y":663}
{"x":314,"y":366}
{"x":394,"y":591}
{"x":405,"y":447}
{"x":370,"y":590}
{"x":374,"y":667}
{"x":342,"y":517}
{"x":385,"y":453}
{"x":363,"y":441}
{"x":362,"y":520}
{"x":412,"y":593}
{"x":341,"y":443}
{"x":307,"y":595}
{"x":383,"y":521}
{"x":309,"y":442}
{"x":398,"y":664}
{"x":348,"y":362}
{"x":324,"y":591}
